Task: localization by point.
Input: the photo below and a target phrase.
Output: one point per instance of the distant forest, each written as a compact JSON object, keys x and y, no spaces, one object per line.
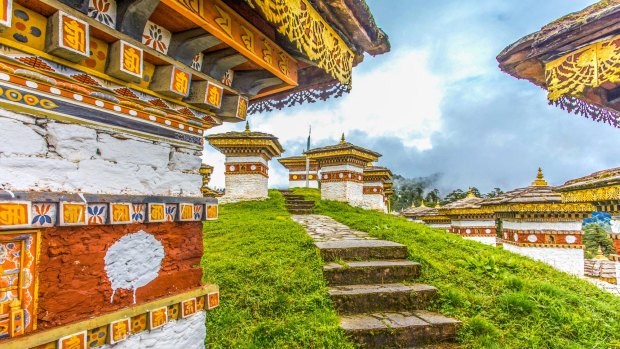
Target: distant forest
{"x":414,"y":191}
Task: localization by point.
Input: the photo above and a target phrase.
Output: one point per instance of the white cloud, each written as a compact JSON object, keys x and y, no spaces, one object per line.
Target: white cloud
{"x":398,"y":98}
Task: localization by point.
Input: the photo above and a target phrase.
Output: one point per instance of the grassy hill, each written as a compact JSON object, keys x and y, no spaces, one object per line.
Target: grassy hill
{"x":274,"y":296}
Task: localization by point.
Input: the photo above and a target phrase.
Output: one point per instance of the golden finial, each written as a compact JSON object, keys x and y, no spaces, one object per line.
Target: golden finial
{"x":437,"y":205}
{"x":369,"y":164}
{"x":247,"y":127}
{"x":540,"y":179}
{"x":342,"y":141}
{"x":470,"y":193}
{"x":599,"y":254}
{"x":422,"y":204}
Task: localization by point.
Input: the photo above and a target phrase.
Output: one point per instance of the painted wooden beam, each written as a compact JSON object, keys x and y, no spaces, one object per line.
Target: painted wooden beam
{"x":250,"y":83}
{"x":132,"y":16}
{"x":186,"y":45}
{"x":216,"y":64}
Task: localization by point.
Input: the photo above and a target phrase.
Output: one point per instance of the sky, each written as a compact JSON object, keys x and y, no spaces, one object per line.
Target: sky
{"x":438,"y":103}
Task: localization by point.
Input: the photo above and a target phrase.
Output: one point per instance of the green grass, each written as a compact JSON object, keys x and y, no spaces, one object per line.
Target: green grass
{"x":503,"y":299}
{"x":272,"y":290}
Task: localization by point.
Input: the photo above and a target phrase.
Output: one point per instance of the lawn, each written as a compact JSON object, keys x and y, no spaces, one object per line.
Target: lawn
{"x":504,"y":300}
{"x":272,"y":290}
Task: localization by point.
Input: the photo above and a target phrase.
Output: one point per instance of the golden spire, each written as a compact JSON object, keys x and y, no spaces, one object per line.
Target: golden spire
{"x":247,"y":127}
{"x":470,"y":193}
{"x":342,"y":141}
{"x":369,"y":164}
{"x":437,"y":205}
{"x":599,"y":254}
{"x":540,"y":179}
{"x":422,"y":204}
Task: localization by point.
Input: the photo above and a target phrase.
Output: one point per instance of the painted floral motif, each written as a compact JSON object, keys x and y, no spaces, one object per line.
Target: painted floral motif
{"x":139,"y":211}
{"x":97,"y":214}
{"x":227,"y":79}
{"x":197,"y":61}
{"x":171,"y":211}
{"x":103,"y":11}
{"x":198,"y":212}
{"x":156,"y":37}
{"x":43,"y":215}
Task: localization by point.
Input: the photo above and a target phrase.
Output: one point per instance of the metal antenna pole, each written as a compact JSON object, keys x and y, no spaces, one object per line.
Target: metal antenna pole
{"x":307,"y":159}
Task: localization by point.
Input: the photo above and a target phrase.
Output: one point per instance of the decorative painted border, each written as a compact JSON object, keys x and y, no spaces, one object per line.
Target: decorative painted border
{"x":543,"y":238}
{"x":95,"y":327}
{"x":235,"y":168}
{"x":342,"y":176}
{"x":45,"y":100}
{"x":68,"y":213}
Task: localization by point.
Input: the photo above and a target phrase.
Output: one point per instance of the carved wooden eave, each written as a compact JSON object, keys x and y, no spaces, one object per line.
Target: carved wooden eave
{"x":298,"y":163}
{"x":601,"y":189}
{"x":345,"y":151}
{"x":353,"y":27}
{"x":575,"y":59}
{"x":246,"y":142}
{"x":377,"y":173}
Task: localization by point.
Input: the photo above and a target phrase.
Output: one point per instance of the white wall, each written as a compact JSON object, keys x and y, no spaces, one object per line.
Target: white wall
{"x":487,"y":240}
{"x":565,"y":226}
{"x":473,"y":224}
{"x":615,"y":224}
{"x":43,"y":155}
{"x":373,"y":202}
{"x":302,"y":184}
{"x":569,"y":260}
{"x":240,"y":187}
{"x":188,"y":333}
{"x":346,"y":191}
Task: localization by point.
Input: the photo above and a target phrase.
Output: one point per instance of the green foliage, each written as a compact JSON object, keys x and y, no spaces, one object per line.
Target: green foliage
{"x":504,"y":300}
{"x":273,"y":294}
{"x":594,"y":236}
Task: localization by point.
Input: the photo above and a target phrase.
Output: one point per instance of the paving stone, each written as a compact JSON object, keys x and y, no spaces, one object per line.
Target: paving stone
{"x":356,"y":249}
{"x":370,"y":272}
{"x":355,"y":299}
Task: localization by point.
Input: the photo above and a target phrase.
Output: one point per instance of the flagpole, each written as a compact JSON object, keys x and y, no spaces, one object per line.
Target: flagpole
{"x":307,"y":159}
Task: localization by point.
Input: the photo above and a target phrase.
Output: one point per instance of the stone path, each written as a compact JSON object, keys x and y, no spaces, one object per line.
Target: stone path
{"x":323,"y":228}
{"x":372,"y":289}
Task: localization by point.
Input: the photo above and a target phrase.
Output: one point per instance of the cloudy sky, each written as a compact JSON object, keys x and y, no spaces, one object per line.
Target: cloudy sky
{"x":437,"y":103}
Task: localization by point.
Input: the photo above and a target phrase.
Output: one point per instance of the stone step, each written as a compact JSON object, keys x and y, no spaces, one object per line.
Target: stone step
{"x":355,"y":299}
{"x":294,"y":197}
{"x":370,"y":272}
{"x":361,"y":249}
{"x":399,"y":329}
{"x":300,"y":211}
{"x":297,"y":200}
{"x":302,"y":206}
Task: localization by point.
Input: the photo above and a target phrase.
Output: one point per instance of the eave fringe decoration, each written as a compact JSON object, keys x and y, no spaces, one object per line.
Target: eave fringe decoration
{"x":304,"y":26}
{"x":590,"y":111}
{"x":590,"y":66}
{"x":309,"y":95}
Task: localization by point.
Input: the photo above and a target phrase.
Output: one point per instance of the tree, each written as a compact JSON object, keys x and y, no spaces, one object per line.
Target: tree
{"x":595,"y":236}
{"x":494,"y":193}
{"x":432,"y":196}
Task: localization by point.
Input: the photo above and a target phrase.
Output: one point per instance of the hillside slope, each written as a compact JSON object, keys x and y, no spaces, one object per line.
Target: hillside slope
{"x":504,"y":300}
{"x":272,"y":290}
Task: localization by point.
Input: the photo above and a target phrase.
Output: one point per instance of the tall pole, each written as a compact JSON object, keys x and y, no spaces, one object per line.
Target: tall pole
{"x":307,"y":159}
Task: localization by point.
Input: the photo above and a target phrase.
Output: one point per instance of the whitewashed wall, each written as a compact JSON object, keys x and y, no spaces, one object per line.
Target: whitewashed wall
{"x":351,"y":192}
{"x":569,"y":260}
{"x":487,"y":240}
{"x":615,"y":224}
{"x":565,"y":226}
{"x":241,"y":187}
{"x":476,"y":224}
{"x":373,"y":202}
{"x":188,"y":333}
{"x":442,"y":226}
{"x":40,"y":154}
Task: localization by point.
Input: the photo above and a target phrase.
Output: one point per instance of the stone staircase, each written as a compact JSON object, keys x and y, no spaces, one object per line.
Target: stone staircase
{"x":379,"y":306}
{"x":296,"y":204}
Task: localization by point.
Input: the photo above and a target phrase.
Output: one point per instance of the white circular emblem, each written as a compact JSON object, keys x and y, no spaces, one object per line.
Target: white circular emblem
{"x":516,"y":237}
{"x":231,"y":168}
{"x":532,"y":238}
{"x":488,"y":231}
{"x":571,"y":239}
{"x":31,"y":84}
{"x":324,"y":176}
{"x":253,"y":167}
{"x":349,"y":175}
{"x":375,"y":190}
{"x":133,"y":261}
{"x":468,"y":231}
{"x":55,"y":91}
{"x":340,"y":175}
{"x":77,"y":97}
{"x":506,"y":236}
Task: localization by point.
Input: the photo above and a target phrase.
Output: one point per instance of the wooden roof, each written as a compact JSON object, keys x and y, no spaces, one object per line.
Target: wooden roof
{"x":598,"y":179}
{"x":246,"y":138}
{"x":554,"y":55}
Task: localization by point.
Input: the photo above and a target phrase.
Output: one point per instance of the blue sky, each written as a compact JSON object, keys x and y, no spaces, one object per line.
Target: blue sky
{"x":437,"y":103}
